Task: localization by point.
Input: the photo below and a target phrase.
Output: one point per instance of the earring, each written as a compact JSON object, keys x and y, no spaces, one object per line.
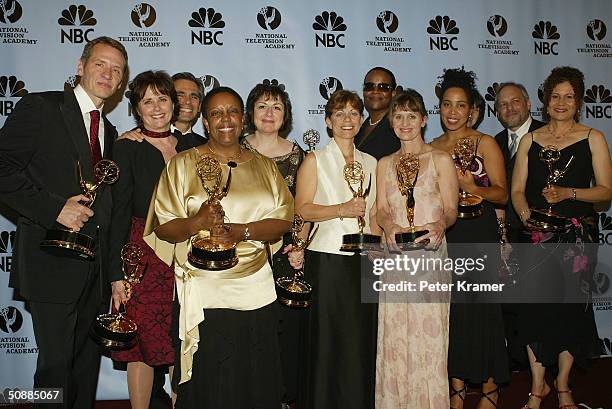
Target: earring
{"x":469,"y":117}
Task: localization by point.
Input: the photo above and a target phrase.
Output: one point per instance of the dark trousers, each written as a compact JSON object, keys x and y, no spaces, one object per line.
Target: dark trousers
{"x":67,"y":357}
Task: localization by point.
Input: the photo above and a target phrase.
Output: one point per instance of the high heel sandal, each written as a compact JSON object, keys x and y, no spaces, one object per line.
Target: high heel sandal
{"x":540,"y":397}
{"x":567,"y":405}
{"x":486,"y":395}
{"x":461,"y":392}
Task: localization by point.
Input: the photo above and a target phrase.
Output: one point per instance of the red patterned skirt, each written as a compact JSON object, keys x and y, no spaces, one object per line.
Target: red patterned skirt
{"x":150,"y":307}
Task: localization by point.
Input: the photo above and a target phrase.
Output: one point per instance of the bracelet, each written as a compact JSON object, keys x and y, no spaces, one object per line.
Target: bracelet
{"x":573,"y":194}
{"x":523,"y":214}
{"x":339,"y":214}
{"x":247,"y":234}
{"x":501,"y":226}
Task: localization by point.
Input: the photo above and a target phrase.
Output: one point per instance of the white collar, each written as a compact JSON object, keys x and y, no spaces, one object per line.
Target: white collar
{"x":84,"y":100}
{"x":174,"y":128}
{"x":523,"y":129}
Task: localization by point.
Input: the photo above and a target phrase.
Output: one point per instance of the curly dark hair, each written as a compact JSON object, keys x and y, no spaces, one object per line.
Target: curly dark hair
{"x":459,"y":78}
{"x":268,"y":91}
{"x":557,"y":76}
{"x":159,"y":81}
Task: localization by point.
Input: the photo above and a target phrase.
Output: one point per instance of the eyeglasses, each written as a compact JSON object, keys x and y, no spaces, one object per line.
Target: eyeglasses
{"x":381,"y":86}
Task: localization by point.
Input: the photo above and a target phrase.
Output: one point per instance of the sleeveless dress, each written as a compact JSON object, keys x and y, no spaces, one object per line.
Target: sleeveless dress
{"x":411,"y":359}
{"x":289,"y":336}
{"x":477,"y":349}
{"x":337,"y":361}
{"x":552,"y":328}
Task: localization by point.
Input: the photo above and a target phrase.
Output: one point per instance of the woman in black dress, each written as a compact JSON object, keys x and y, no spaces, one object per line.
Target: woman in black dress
{"x":268,"y":121}
{"x":476,"y":351}
{"x":557,"y":335}
{"x":150,"y":303}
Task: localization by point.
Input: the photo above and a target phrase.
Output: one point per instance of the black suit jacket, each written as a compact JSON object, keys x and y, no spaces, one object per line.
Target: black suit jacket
{"x":512,"y":219}
{"x":381,"y":140}
{"x":40,"y":144}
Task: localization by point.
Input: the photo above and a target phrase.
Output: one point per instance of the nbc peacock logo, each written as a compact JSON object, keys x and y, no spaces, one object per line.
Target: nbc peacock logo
{"x":545,"y":35}
{"x":598,"y":102}
{"x":77,"y":17}
{"x":443,"y":32}
{"x":490,"y":97}
{"x":10,"y":89}
{"x":329,"y":29}
{"x":207,"y":24}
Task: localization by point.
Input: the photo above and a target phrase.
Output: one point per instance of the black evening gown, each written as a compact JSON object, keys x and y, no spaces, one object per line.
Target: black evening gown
{"x":476,"y":349}
{"x":289,"y":337}
{"x":551,"y":328}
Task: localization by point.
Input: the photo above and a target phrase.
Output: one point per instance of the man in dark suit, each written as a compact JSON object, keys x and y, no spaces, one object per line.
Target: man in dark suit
{"x":513,"y":110}
{"x":40,"y":144}
{"x":376,"y":136}
{"x":190,"y":92}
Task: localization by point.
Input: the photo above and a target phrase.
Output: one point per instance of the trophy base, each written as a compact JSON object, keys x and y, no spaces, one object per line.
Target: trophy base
{"x":406,"y":241}
{"x":293,"y":292}
{"x":67,"y":243}
{"x":470,"y":206}
{"x":208,"y":255}
{"x":113,"y":333}
{"x":358,"y":242}
{"x":545,"y":220}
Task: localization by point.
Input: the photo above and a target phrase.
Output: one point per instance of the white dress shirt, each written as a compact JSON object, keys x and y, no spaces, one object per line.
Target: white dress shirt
{"x":87,"y":105}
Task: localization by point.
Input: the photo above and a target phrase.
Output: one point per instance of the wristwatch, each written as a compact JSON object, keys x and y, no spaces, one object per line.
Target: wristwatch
{"x":246,"y":233}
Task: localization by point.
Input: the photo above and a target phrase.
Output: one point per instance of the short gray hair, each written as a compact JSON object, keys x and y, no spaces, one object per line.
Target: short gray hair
{"x":511,"y":84}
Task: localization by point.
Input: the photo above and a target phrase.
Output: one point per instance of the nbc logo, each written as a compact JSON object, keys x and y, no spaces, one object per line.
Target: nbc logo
{"x":76,"y":16}
{"x":490,"y":98}
{"x":497,"y":25}
{"x":269,"y":18}
{"x":143,"y":15}
{"x":10,"y":11}
{"x":10,"y":87}
{"x":205,"y":20}
{"x":443,"y":32}
{"x":544,"y":34}
{"x":605,"y":230}
{"x":598,"y":102}
{"x":328,"y":86}
{"x":331,"y":23}
{"x":387,"y":21}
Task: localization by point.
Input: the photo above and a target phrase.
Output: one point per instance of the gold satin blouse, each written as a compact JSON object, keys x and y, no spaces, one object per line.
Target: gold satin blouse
{"x":257,"y":192}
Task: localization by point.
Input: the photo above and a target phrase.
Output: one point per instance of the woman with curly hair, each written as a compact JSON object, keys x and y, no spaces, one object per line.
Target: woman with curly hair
{"x":476,"y":352}
{"x":557,"y":335}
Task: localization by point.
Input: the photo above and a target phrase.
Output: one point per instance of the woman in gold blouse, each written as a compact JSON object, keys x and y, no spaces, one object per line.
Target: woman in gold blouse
{"x":228,"y":324}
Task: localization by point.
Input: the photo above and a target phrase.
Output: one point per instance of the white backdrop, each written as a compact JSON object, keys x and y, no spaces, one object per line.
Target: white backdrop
{"x":312,"y":47}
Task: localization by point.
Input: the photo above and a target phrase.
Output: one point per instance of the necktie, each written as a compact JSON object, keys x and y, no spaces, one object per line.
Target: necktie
{"x":94,"y":141}
{"x":512,"y":146}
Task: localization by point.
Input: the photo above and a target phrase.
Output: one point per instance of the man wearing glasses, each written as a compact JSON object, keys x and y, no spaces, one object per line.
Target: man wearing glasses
{"x":376,"y":136}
